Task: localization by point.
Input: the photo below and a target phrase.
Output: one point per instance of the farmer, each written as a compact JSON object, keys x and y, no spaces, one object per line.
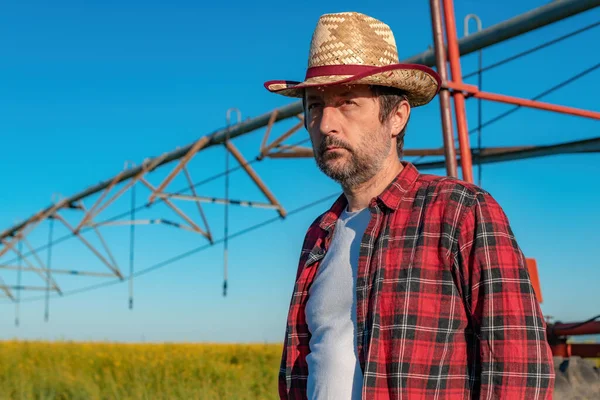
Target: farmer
{"x":409,"y":286}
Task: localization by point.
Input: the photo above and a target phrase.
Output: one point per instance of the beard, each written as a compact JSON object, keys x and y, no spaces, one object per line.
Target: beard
{"x":353,"y":166}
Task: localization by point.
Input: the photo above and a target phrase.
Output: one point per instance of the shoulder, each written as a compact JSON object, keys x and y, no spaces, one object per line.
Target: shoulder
{"x":445,"y":190}
{"x":315,"y":225}
{"x":312,"y":234}
{"x":454,"y":198}
{"x":315,"y":230}
{"x":448,"y":189}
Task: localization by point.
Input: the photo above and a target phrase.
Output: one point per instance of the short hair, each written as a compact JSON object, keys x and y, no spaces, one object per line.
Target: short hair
{"x":389,"y":100}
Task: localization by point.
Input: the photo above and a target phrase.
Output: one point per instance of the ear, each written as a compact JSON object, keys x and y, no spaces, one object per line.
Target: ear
{"x":399,"y":118}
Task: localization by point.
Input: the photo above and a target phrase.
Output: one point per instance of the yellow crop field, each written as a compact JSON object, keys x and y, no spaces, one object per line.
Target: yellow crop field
{"x":73,"y":371}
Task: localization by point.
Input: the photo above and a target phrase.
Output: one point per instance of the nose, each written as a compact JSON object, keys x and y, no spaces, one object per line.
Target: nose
{"x":329,"y":123}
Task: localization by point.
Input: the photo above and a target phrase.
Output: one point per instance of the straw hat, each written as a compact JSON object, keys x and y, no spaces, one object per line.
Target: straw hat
{"x":351,"y":47}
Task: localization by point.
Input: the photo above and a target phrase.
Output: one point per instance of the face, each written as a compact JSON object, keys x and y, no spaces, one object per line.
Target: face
{"x":350,"y":143}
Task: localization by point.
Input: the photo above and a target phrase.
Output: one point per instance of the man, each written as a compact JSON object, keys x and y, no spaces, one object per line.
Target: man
{"x":409,"y":286}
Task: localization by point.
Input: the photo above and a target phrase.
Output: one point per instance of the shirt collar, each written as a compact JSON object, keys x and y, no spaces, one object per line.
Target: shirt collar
{"x":391,"y":197}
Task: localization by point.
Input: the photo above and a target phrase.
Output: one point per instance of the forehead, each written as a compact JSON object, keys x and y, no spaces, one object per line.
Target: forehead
{"x":338,"y":91}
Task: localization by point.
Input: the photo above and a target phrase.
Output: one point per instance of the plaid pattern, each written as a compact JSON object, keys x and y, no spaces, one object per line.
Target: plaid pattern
{"x":445,"y":306}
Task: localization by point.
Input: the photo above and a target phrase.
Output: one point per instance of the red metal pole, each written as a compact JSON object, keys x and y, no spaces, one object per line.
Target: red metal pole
{"x":575,"y":328}
{"x":440,"y":60}
{"x":459,"y":98}
{"x":537,"y":104}
{"x":585,"y":350}
{"x":474,"y":91}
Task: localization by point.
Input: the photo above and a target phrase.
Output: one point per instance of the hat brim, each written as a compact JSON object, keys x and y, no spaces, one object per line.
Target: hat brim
{"x":420,"y":83}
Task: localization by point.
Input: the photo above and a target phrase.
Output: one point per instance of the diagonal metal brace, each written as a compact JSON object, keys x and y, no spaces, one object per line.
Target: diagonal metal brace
{"x":96,"y":252}
{"x":175,"y":208}
{"x":254,"y":176}
{"x":6,"y":289}
{"x":46,"y":275}
{"x":182,"y":163}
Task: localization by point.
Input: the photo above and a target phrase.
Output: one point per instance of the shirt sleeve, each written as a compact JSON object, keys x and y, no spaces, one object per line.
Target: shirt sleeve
{"x":514,"y":359}
{"x":281,"y":382}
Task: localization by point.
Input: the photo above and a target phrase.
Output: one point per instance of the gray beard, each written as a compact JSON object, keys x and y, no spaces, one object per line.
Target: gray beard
{"x":360,"y":167}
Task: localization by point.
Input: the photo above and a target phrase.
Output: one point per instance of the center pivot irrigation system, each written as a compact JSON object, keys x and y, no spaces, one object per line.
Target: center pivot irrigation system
{"x":446,"y":51}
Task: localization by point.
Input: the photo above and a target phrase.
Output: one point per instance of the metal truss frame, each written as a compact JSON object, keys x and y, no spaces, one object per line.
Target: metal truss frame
{"x":446,"y":53}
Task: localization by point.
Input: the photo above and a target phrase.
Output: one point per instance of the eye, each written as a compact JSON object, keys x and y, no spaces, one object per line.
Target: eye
{"x":352,"y":102}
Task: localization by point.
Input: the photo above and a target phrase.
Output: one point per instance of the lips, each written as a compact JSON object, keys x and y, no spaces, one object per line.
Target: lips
{"x":333,"y":145}
{"x":332,"y":149}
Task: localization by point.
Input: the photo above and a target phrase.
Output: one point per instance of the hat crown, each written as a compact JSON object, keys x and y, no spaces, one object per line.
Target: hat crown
{"x":352,"y":38}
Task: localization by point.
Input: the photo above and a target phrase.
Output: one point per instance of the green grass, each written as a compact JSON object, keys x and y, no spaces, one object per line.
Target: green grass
{"x":74,"y":371}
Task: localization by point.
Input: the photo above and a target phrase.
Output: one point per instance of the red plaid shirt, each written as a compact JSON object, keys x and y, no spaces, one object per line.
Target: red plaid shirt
{"x":445,"y":306}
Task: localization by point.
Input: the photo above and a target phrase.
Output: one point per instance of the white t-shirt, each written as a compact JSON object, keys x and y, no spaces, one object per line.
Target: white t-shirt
{"x":333,"y":368}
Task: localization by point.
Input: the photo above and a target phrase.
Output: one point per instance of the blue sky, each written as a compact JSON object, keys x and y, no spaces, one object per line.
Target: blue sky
{"x":86,"y":87}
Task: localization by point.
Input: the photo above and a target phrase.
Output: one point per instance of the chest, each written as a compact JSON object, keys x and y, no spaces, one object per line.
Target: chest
{"x":332,"y":295}
{"x":403,"y":268}
{"x":397,"y":253}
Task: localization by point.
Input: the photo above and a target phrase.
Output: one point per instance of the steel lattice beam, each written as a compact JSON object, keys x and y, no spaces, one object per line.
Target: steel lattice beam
{"x":513,"y":27}
{"x":277,"y":149}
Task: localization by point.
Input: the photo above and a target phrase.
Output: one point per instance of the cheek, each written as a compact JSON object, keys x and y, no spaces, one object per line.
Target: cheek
{"x":315,"y":137}
{"x":313,"y":120}
{"x":360,"y":138}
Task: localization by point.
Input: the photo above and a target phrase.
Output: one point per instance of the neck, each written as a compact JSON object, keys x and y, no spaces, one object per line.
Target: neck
{"x":360,"y":196}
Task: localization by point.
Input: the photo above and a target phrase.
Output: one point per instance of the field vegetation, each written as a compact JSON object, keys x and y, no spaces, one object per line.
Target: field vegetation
{"x":78,"y":371}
